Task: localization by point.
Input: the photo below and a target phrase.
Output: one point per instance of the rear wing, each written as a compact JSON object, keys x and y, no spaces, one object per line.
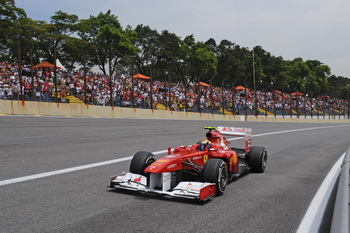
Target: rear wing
{"x":235,"y":131}
{"x":238,"y":132}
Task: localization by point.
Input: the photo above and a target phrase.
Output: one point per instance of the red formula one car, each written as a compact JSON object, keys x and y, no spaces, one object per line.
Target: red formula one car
{"x":199,"y":171}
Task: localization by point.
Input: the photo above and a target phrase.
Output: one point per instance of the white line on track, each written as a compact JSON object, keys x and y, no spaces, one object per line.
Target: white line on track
{"x":72,"y":169}
{"x":78,"y":168}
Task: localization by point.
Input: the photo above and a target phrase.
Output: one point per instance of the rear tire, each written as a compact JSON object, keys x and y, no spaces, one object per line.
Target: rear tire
{"x":215,"y":171}
{"x":141,"y":161}
{"x":258,"y":159}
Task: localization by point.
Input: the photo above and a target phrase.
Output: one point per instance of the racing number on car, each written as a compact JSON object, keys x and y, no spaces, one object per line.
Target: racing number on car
{"x":205,"y":158}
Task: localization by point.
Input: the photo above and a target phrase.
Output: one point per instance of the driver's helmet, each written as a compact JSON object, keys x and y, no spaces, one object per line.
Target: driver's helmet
{"x":204,"y":144}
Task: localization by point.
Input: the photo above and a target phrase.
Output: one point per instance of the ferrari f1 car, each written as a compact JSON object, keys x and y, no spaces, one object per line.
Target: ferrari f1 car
{"x":198,"y":171}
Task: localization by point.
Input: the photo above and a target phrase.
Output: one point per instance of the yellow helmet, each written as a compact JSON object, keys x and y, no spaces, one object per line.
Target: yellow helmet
{"x":204,"y":144}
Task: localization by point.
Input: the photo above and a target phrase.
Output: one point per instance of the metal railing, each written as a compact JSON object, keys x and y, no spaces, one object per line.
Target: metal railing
{"x":340,"y":220}
{"x":323,"y":205}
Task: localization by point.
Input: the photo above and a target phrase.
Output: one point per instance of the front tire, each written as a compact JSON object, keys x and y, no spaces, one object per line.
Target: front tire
{"x":215,"y":171}
{"x":258,"y":159}
{"x":140,"y":161}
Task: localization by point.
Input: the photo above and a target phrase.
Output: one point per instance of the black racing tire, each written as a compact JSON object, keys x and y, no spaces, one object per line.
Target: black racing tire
{"x":140,"y":161}
{"x":257,"y":159}
{"x":215,"y":171}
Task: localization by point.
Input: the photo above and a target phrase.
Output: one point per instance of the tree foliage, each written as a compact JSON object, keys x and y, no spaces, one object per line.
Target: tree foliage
{"x":101,"y":40}
{"x":109,"y":41}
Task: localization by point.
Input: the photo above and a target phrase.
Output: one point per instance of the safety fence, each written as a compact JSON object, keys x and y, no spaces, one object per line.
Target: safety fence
{"x":13,"y":107}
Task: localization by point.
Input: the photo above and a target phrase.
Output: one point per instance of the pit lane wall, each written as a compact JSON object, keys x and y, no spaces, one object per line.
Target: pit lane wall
{"x":12,"y":107}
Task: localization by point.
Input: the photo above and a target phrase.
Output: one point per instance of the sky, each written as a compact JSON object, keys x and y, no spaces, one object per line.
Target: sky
{"x":310,"y":29}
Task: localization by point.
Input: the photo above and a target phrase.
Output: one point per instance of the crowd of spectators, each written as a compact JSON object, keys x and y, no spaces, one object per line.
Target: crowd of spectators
{"x":127,"y":92}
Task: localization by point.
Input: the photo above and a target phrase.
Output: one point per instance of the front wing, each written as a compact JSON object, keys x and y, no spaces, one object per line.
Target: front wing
{"x":185,"y":189}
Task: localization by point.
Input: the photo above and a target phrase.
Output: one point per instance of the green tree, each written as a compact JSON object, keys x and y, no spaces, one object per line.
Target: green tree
{"x":234,"y":62}
{"x":170,"y":55}
{"x":147,"y":43}
{"x":11,"y":29}
{"x":338,"y":87}
{"x":55,"y":34}
{"x":317,"y":80}
{"x":128,"y":53}
{"x":298,"y":71}
{"x":76,"y":52}
{"x":108,"y":40}
{"x":345,"y":89}
{"x":202,"y":59}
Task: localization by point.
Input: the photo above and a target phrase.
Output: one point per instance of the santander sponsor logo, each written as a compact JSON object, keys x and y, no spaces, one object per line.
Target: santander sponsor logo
{"x":233,"y":129}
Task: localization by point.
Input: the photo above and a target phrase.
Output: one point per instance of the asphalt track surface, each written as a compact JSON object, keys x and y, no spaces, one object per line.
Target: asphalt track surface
{"x":79,"y":201}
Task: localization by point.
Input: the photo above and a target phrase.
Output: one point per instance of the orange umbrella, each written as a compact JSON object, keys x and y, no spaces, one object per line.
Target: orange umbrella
{"x":141,"y":76}
{"x":46,"y":64}
{"x":324,"y":96}
{"x":279,"y":92}
{"x":241,"y":88}
{"x":203,"y":84}
{"x":297,"y":93}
